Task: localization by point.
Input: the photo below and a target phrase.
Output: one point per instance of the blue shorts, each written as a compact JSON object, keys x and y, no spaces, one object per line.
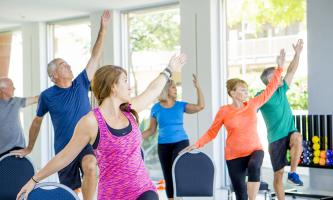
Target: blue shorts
{"x":71,"y":175}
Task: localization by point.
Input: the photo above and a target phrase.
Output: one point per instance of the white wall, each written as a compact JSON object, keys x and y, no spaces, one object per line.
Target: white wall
{"x":320,"y":50}
{"x":320,"y":81}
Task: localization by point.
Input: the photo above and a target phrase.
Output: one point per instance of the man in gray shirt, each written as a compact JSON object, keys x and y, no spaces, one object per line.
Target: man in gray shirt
{"x":11,"y":133}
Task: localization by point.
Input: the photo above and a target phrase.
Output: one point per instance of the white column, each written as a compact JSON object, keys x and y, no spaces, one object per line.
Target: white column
{"x":35,"y":80}
{"x":200,"y":40}
{"x":112,"y":46}
{"x":320,"y":48}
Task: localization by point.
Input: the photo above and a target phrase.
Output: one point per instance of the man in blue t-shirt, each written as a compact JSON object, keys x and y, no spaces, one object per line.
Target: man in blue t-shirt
{"x":67,"y":101}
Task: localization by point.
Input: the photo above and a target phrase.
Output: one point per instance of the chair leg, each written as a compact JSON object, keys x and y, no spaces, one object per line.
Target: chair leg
{"x":229,"y":195}
{"x":269,"y":194}
{"x":265,"y":195}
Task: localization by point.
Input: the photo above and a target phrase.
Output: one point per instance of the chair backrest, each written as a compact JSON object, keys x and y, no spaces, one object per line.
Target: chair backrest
{"x":193,"y":175}
{"x":14,"y":173}
{"x":263,"y":186}
{"x":52,"y":191}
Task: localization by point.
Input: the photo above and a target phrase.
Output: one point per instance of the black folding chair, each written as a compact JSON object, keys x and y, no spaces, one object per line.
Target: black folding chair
{"x":193,"y":175}
{"x":14,"y":174}
{"x":52,"y":191}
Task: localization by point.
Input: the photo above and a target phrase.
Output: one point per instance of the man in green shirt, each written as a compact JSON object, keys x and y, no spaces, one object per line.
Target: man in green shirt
{"x":281,"y":131}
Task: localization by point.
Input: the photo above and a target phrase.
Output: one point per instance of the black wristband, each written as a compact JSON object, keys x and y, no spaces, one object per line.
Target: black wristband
{"x":165,"y":75}
{"x":169,"y":71}
{"x":32,"y":178}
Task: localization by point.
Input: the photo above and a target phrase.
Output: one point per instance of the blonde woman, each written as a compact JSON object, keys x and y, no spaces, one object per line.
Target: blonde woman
{"x":243,"y":152}
{"x":167,"y":114}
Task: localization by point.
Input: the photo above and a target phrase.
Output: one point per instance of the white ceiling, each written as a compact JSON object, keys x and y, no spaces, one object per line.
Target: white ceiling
{"x":15,"y":12}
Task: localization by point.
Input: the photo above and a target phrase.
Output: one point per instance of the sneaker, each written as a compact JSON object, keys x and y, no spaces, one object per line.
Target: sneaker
{"x":293,"y":178}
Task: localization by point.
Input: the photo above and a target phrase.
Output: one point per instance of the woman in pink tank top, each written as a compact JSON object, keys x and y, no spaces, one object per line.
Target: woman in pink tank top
{"x":123,"y":175}
{"x":120,"y":163}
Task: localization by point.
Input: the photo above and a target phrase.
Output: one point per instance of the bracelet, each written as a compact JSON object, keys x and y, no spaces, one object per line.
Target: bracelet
{"x":32,"y":178}
{"x":165,"y":75}
{"x":167,"y":69}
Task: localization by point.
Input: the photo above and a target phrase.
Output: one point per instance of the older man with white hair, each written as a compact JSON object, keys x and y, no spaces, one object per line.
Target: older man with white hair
{"x":11,"y":132}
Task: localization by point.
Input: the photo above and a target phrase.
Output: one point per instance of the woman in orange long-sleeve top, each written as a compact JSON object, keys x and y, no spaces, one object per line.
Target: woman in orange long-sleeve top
{"x":243,"y":151}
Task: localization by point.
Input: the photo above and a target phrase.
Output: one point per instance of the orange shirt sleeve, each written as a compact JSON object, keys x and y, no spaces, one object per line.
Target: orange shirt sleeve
{"x":212,"y":131}
{"x":261,"y":99}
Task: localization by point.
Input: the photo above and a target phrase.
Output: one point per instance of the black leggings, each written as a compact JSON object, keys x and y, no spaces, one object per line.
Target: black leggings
{"x":240,"y":167}
{"x":148,"y":195}
{"x":167,"y":153}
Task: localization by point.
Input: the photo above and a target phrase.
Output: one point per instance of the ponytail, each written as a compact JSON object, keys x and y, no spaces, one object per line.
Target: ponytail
{"x":126,"y":107}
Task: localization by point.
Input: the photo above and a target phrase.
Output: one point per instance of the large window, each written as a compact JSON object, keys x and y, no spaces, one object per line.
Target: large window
{"x":256,"y":31}
{"x":11,"y":64}
{"x":5,"y":47}
{"x":70,"y":40}
{"x":11,"y":58}
{"x":153,"y":37}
